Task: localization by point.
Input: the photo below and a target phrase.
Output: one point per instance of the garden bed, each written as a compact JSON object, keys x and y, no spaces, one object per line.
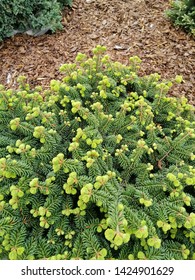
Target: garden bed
{"x":125,"y":27}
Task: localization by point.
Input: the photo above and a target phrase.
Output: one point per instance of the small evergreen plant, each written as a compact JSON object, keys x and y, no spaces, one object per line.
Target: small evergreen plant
{"x":182,"y":13}
{"x":22,"y":15}
{"x":99,"y":166}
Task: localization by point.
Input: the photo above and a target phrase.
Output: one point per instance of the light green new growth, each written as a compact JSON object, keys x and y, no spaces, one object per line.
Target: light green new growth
{"x":99,"y":166}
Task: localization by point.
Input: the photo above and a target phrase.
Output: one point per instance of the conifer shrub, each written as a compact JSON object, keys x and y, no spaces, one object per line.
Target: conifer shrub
{"x":182,"y":14}
{"x":21,"y":16}
{"x":99,"y":166}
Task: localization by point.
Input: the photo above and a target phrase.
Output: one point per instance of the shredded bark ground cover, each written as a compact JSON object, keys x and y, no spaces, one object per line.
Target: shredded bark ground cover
{"x":125,"y":27}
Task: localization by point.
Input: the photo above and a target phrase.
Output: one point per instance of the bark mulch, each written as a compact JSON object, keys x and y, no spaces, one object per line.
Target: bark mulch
{"x":125,"y":27}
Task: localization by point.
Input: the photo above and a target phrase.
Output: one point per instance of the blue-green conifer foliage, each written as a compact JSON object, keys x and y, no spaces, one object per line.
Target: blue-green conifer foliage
{"x":24,"y":15}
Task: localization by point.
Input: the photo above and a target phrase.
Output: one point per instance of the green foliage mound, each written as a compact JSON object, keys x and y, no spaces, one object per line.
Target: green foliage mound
{"x":99,"y":166}
{"x":23,"y":15}
{"x":182,"y":13}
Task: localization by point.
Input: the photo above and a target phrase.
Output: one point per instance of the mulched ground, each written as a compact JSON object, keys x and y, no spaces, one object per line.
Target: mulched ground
{"x":125,"y":27}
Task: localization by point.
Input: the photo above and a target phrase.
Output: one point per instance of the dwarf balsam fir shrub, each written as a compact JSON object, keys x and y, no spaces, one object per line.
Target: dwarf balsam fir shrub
{"x":99,"y":166}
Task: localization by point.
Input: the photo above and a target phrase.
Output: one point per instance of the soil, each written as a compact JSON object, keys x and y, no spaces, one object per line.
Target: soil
{"x":125,"y":27}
